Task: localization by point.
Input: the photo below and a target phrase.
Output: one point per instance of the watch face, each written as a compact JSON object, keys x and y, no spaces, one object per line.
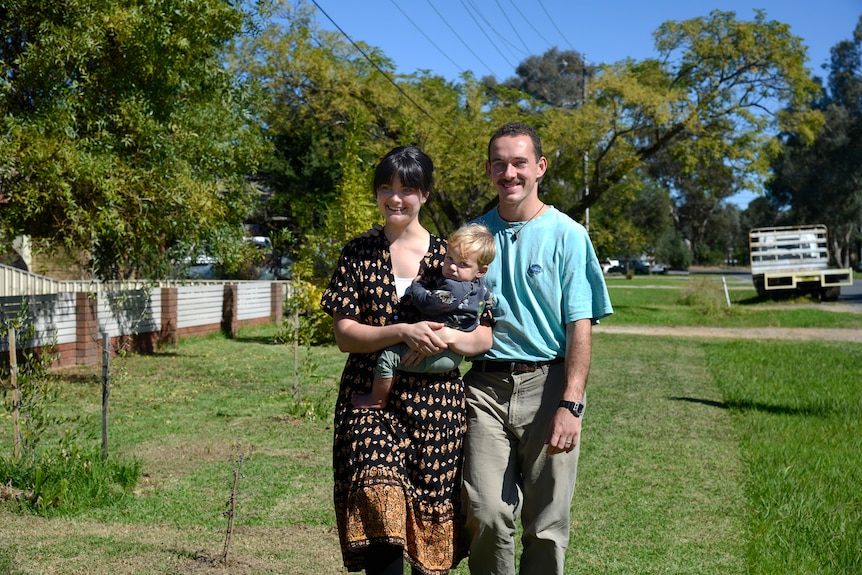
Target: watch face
{"x":576,"y":407}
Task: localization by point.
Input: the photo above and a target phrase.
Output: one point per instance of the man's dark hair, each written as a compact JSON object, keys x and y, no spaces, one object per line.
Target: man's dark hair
{"x":515,"y":129}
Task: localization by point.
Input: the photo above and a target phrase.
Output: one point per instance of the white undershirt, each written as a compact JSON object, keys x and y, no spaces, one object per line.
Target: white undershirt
{"x":401,"y":285}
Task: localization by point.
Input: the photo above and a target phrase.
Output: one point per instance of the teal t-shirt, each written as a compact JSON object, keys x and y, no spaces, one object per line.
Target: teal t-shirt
{"x":550,"y":276}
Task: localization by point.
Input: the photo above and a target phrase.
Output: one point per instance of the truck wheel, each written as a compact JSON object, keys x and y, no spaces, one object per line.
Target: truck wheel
{"x":830,"y":293}
{"x":761,"y":290}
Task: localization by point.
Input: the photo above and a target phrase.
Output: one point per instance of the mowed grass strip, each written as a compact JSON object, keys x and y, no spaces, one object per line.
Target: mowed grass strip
{"x":661,"y":475}
{"x":798,"y":411}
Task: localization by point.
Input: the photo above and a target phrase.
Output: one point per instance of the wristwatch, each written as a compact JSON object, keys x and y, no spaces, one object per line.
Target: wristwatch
{"x":576,"y":407}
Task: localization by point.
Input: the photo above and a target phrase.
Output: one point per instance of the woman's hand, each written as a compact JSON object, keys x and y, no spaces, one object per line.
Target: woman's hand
{"x":423,"y":339}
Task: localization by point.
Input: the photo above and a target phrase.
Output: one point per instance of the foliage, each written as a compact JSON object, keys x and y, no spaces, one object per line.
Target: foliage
{"x":702,"y":109}
{"x":334,"y":109}
{"x":705,"y":295}
{"x":305,"y":322}
{"x":61,"y":478}
{"x":821,"y":183}
{"x":326,"y":111}
{"x":108,"y":143}
{"x":672,"y":251}
{"x":38,"y":394}
{"x":351,"y":213}
{"x":64,"y":480}
{"x":556,"y":78}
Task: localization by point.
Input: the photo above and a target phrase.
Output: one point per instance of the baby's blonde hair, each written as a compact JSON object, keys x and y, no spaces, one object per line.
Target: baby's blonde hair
{"x":475,"y":239}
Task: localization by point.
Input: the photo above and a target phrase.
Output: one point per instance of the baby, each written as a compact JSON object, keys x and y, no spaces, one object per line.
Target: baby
{"x":457,"y":299}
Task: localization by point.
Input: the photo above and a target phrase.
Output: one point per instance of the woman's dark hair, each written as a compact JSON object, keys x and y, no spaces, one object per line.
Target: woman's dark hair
{"x":412,"y":166}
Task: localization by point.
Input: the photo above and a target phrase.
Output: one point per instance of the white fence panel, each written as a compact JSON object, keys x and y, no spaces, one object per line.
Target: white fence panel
{"x":129,"y":312}
{"x":253,"y":300}
{"x":51,"y":314}
{"x":199,"y":305}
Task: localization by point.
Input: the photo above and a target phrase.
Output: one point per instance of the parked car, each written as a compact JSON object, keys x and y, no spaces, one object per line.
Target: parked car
{"x":607,"y":264}
{"x":637,"y":266}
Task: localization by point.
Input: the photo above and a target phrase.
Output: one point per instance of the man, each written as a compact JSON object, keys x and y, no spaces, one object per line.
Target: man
{"x":526,"y":396}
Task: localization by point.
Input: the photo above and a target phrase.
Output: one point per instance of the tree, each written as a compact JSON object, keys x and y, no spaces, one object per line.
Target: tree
{"x":555,"y":78}
{"x":329,"y":116}
{"x":333,"y":109}
{"x":121,"y":134}
{"x":707,"y":105}
{"x":822,"y":182}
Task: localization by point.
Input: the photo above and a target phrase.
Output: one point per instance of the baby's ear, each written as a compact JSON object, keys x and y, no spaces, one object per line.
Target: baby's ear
{"x":482,"y":271}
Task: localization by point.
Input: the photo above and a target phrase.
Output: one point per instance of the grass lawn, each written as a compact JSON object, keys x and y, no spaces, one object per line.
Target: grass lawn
{"x":699,"y":456}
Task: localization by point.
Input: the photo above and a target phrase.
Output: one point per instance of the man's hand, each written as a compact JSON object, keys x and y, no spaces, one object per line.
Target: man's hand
{"x":564,"y":433}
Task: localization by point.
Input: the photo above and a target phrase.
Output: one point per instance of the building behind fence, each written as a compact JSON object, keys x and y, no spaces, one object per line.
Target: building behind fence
{"x":138,"y":316}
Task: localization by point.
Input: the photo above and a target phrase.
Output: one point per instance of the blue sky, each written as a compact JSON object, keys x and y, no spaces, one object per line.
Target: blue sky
{"x":490,"y":37}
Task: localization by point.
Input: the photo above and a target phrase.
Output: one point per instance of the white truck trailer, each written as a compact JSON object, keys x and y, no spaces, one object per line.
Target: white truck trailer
{"x":794,"y":259}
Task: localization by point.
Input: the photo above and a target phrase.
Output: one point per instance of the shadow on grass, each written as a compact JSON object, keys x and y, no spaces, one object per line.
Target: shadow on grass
{"x":758,"y":406}
{"x":258,"y":339}
{"x":707,"y":402}
{"x":80,"y":378}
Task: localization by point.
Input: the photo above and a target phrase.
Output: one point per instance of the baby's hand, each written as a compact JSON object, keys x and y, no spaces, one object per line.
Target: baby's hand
{"x":366,"y":401}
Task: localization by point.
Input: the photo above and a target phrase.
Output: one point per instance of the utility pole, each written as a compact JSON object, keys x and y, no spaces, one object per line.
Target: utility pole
{"x":586,"y":152}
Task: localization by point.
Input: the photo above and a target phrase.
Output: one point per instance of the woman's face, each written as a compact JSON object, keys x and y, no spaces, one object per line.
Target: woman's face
{"x":397,"y":204}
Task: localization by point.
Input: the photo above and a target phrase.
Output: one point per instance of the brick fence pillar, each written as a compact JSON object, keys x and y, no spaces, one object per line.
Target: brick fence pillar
{"x":168,"y":331}
{"x":87,"y":340}
{"x":276,"y":303}
{"x":229,"y":322}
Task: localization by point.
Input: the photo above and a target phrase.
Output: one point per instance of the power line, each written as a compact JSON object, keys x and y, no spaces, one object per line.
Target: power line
{"x":379,"y":69}
{"x":554,"y":24}
{"x":529,"y":23}
{"x":473,"y":8}
{"x":459,"y":38}
{"x":426,"y":36}
{"x":514,"y":28}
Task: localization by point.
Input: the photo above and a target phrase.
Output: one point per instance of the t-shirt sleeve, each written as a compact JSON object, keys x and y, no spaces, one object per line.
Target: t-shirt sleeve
{"x":587,"y":295}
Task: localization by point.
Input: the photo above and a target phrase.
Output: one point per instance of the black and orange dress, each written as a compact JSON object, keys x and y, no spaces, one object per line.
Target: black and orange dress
{"x":397,"y":470}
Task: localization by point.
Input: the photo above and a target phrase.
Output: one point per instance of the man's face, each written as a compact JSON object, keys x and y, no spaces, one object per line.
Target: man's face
{"x":462,"y":268}
{"x":513,"y":168}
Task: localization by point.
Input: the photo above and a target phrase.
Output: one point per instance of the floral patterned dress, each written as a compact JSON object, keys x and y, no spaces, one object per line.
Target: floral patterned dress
{"x":398,"y":470}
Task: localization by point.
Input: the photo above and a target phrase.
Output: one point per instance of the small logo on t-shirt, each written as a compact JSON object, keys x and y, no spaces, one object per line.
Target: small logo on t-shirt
{"x":534,"y":269}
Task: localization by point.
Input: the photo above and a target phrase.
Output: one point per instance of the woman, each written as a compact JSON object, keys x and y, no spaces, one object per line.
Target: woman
{"x":397,"y":470}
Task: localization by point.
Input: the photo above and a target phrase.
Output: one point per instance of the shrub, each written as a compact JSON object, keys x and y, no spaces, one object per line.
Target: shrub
{"x":304,"y":319}
{"x":64,"y":480}
{"x":705,"y":294}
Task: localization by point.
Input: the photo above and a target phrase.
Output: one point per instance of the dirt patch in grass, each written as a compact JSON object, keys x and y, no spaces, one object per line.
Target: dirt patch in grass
{"x":164,"y":463}
{"x":88,"y":548}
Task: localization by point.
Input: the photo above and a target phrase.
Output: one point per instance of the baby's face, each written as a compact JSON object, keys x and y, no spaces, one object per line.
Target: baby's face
{"x":463,"y":268}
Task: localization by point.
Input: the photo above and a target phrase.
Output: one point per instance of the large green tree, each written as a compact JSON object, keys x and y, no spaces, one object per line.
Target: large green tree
{"x":822,"y":183}
{"x":121,"y":133}
{"x":706,"y":106}
{"x":333,"y":109}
